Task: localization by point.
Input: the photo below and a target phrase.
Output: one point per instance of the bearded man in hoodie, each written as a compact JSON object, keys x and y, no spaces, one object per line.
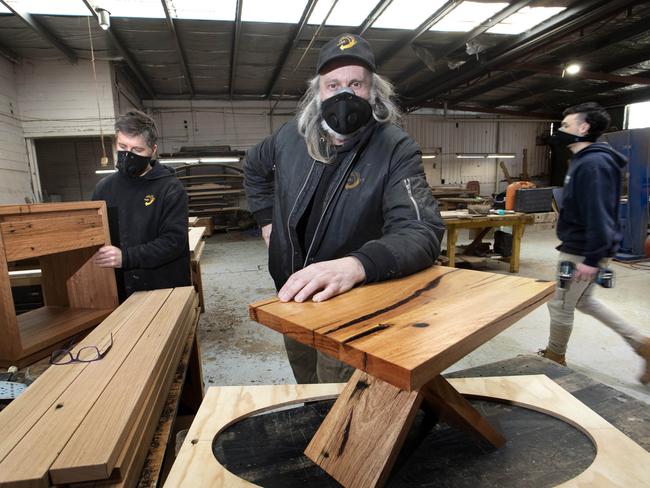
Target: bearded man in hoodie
{"x":147,"y":213}
{"x":588,"y":228}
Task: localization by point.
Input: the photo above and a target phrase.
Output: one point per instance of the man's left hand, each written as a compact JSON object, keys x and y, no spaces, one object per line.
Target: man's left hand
{"x":585,"y":272}
{"x":108,"y":257}
{"x":323,"y":280}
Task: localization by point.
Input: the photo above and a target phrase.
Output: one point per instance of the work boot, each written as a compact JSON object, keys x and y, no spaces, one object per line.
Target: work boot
{"x":553,"y":356}
{"x":644,"y":352}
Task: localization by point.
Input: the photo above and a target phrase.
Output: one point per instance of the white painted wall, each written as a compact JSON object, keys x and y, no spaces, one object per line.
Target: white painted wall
{"x":215,"y":123}
{"x":60,"y":99}
{"x":15,"y":180}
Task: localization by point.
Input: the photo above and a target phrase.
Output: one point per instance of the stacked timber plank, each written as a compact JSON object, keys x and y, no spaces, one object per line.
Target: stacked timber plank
{"x":92,"y":423}
{"x":215,"y":191}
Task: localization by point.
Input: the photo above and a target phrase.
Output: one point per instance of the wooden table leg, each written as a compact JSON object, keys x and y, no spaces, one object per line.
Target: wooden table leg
{"x":453,"y":409}
{"x":517,"y":234}
{"x":452,"y":235}
{"x":360,"y":438}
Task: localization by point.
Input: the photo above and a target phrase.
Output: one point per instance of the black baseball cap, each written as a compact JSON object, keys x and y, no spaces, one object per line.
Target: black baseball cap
{"x":347,"y":46}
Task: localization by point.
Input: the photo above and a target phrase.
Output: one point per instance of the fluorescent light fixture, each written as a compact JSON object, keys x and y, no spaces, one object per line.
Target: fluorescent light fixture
{"x":221,"y":159}
{"x":104,"y":171}
{"x":212,"y":159}
{"x":572,"y":69}
{"x":24,"y":272}
{"x":279,"y":11}
{"x":406,"y":14}
{"x":203,"y":10}
{"x":104,"y":18}
{"x":428,"y":156}
{"x":346,"y":12}
{"x":144,"y":9}
{"x":525,"y":19}
{"x":501,"y":156}
{"x":467,"y":16}
{"x":48,"y":7}
{"x":180,"y":161}
{"x":470,"y":156}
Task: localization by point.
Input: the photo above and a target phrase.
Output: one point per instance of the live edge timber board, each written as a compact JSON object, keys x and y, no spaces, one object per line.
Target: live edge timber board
{"x":619,"y":461}
{"x":77,"y":294}
{"x":407,"y":331}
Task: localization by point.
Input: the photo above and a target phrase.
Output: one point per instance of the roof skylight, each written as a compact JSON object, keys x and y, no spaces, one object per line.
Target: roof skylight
{"x":406,"y":14}
{"x":525,"y":19}
{"x":281,"y":11}
{"x":346,"y":12}
{"x":467,"y":16}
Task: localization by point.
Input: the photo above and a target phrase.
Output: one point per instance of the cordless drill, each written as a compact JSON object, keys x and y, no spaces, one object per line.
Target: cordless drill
{"x":566,"y":270}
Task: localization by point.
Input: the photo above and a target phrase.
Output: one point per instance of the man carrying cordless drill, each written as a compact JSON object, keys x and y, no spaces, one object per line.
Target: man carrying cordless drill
{"x":589,"y":231}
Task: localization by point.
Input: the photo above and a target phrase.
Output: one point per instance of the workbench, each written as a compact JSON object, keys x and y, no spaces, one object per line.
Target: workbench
{"x":196,"y":245}
{"x":455,"y":222}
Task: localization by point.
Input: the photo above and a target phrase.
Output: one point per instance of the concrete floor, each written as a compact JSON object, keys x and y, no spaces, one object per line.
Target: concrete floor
{"x":237,"y":351}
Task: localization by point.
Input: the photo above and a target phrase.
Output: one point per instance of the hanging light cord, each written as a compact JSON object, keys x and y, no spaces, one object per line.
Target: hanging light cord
{"x":99,"y":111}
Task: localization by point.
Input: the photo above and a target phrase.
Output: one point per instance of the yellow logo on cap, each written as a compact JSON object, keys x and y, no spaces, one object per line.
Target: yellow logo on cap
{"x":149,"y":199}
{"x":346,"y":42}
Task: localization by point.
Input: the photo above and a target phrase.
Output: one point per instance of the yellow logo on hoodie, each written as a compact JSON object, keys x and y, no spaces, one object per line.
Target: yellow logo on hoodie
{"x":149,"y":199}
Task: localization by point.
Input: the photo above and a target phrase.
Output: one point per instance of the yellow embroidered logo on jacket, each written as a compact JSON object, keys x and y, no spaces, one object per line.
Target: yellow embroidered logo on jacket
{"x":149,"y":199}
{"x":346,"y":42}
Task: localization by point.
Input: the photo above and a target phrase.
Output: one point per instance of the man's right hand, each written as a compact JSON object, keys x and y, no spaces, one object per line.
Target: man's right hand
{"x":266,"y":233}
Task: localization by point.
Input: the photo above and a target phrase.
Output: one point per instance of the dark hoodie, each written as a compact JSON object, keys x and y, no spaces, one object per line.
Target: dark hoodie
{"x":588,"y":223}
{"x":148,"y":222}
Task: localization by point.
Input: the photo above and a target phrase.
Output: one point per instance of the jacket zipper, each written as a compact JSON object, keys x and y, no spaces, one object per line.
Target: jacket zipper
{"x":293,"y":208}
{"x":320,"y":220}
{"x":407,"y":184}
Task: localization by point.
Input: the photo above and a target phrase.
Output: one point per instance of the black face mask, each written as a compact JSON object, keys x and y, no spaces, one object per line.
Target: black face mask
{"x":345,"y":113}
{"x":131,"y":164}
{"x":562,"y":138}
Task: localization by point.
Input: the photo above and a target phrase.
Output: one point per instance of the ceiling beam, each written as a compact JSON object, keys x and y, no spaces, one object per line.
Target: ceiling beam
{"x":234,"y":52}
{"x":618,"y":63}
{"x":9,"y":54}
{"x":641,"y":95}
{"x":575,"y":17}
{"x":42,"y":31}
{"x":583,"y":74}
{"x":497,"y":82}
{"x":146,"y":85}
{"x":373,"y":16}
{"x":416,"y":67}
{"x":179,"y":48}
{"x":306,"y":13}
{"x":410,"y":38}
{"x":491,"y":110}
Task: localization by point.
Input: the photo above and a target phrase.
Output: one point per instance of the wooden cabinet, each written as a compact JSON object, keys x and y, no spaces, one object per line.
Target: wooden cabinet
{"x":77,"y":294}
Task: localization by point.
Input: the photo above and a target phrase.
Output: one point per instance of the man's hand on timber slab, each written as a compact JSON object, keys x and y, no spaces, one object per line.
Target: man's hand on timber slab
{"x":108,"y":257}
{"x":323,"y":280}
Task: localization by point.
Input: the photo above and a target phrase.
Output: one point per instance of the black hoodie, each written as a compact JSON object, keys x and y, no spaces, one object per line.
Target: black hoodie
{"x":148,"y":218}
{"x":588,"y":223}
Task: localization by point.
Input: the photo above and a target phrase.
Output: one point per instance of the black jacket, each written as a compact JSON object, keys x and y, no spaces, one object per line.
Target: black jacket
{"x":588,"y":223}
{"x":148,"y":219}
{"x":378,"y":207}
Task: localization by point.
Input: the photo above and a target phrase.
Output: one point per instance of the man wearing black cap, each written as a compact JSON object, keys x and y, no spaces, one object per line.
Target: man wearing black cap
{"x":340,"y":193}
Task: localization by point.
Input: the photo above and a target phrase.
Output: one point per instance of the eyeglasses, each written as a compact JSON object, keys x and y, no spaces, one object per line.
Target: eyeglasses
{"x":86,"y":354}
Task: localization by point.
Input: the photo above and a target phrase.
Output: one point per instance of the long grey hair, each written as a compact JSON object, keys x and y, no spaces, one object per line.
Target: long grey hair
{"x":319,"y":144}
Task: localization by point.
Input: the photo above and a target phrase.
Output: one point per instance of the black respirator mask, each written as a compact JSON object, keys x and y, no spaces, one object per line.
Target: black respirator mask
{"x":131,"y":164}
{"x":562,"y":138}
{"x":345,"y":113}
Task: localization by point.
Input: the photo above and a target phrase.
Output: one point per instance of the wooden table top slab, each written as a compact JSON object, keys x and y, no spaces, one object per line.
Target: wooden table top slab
{"x":409,"y":330}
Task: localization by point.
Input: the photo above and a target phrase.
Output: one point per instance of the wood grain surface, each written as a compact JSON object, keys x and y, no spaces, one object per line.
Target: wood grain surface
{"x":407,"y":331}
